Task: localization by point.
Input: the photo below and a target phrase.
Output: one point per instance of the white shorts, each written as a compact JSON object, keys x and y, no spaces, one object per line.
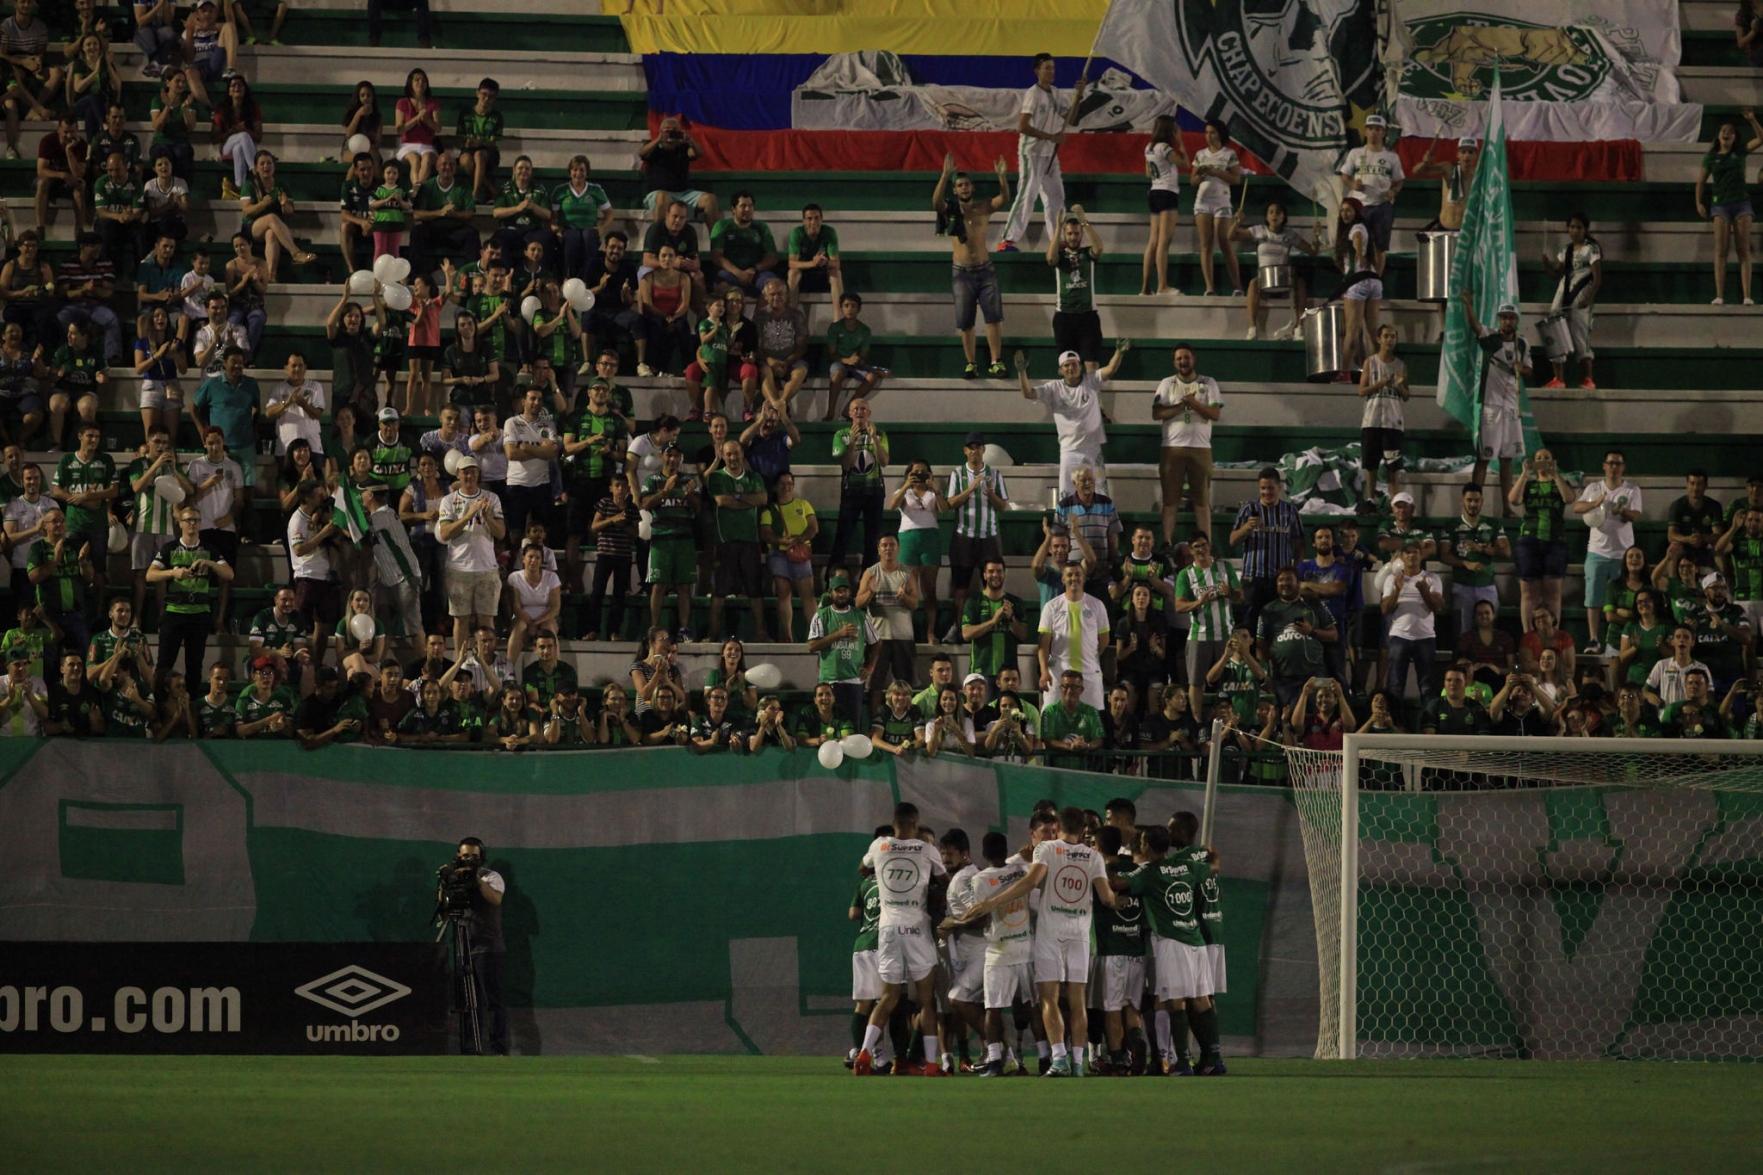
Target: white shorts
{"x":905,"y":954}
{"x":406,"y":150}
{"x":156,"y":393}
{"x":1212,"y":203}
{"x":1008,"y":984}
{"x":865,"y":979}
{"x":1061,"y":960}
{"x":1123,"y":981}
{"x":1366,"y":289}
{"x":1215,"y":955}
{"x":144,"y":547}
{"x":1502,"y":437}
{"x":967,"y":969}
{"x":1183,"y":972}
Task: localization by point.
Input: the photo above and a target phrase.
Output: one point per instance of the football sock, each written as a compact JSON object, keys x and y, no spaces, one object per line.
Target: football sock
{"x":1206,"y":1031}
{"x":1178,"y":1033}
{"x":1042,"y":1049}
{"x":1077,"y":1053}
{"x":930,"y":1050}
{"x":994,"y":1052}
{"x":1059,"y":1050}
{"x":859,"y":1022}
{"x":871,"y":1037}
{"x":1162,"y":1029}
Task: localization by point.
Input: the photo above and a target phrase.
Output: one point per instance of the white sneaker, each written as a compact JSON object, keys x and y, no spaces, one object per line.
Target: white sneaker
{"x":1718,"y":302}
{"x":1749,"y":302}
{"x":1254,"y":333}
{"x":1287,"y":332}
{"x":644,"y":371}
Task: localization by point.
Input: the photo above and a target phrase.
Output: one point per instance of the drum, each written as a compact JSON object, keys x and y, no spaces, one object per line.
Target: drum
{"x":1274,"y":279}
{"x":1556,"y":338}
{"x":1432,"y":266}
{"x":1325,"y":334}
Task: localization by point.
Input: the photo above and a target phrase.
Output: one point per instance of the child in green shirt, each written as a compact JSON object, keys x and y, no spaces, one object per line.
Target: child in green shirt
{"x":847,"y":342}
{"x":391,"y":207}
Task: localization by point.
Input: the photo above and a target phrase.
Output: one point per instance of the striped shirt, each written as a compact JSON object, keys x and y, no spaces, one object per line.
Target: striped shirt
{"x":1095,"y":521}
{"x":1210,"y":621}
{"x":976,"y":518}
{"x":1276,"y":544}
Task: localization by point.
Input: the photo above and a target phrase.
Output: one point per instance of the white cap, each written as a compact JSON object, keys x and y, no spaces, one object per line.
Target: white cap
{"x":1375,"y":120}
{"x":1712,"y":578}
{"x":1467,"y":143}
{"x":1404,"y":496}
{"x":1508,"y":308}
{"x":1072,"y":356}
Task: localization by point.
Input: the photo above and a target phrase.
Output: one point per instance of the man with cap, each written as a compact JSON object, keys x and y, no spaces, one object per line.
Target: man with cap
{"x":469,"y":522}
{"x":1505,"y":365}
{"x":264,"y":708}
{"x":977,"y":495}
{"x":1723,"y":635}
{"x":845,"y":640}
{"x":1075,"y":400}
{"x":1456,"y":176}
{"x":392,"y":458}
{"x":1374,"y":176}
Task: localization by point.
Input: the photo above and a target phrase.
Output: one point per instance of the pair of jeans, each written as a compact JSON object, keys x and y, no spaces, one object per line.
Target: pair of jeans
{"x":186,"y":632}
{"x":613,"y":571}
{"x":859,"y":506}
{"x":1417,"y":653}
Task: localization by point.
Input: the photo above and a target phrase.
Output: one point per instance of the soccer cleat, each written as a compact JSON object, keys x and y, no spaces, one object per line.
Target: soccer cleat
{"x":1213,"y":1068}
{"x":990,"y":1069}
{"x":1595,"y":649}
{"x":1553,"y":384}
{"x":863,"y":1064}
{"x":1059,"y":1068}
{"x":933,"y":1071}
{"x":996,"y":371}
{"x":1006,"y":247}
{"x":850,"y":1058}
{"x":1254,"y":332}
{"x":1179,"y":1069}
{"x":1046,"y":1063}
{"x":1587,"y":385}
{"x":1079,"y":1069}
{"x":971,"y":371}
{"x":644,"y":371}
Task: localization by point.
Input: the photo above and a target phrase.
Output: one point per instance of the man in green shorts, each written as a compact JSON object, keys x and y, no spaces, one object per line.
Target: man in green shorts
{"x":671,"y":498}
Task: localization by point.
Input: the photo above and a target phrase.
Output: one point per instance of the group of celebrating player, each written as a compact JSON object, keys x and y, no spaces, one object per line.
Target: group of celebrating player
{"x":1095,"y":913}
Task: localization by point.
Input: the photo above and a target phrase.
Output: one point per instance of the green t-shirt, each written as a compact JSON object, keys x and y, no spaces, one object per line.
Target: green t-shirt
{"x":736,"y":524}
{"x":866,"y":470}
{"x":1211,"y":621}
{"x":1650,"y":647}
{"x":354,"y":197}
{"x":251,"y":708}
{"x":1543,"y":508}
{"x":843,"y":659}
{"x":104,"y":643}
{"x":468,"y":716}
{"x":1726,"y":172}
{"x":1120,"y":930}
{"x":1483,"y":532}
{"x":110,"y":196}
{"x":1645,"y":725}
{"x":279,"y":634}
{"x":554,"y":346}
{"x":1074,"y":280}
{"x":174,"y":131}
{"x":121,"y":718}
{"x":479,"y":130}
{"x":1294,"y":655}
{"x":802,"y":248}
{"x":389,"y":218}
{"x":1238,"y":685}
{"x":1683,"y":722}
{"x":843,"y":339}
{"x":994,"y":650}
{"x":252,"y":192}
{"x":391,"y":464}
{"x":1152,"y":572}
{"x":897,"y":728}
{"x":868,"y":899}
{"x":1439,"y":716}
{"x":75,"y":475}
{"x":25,"y":642}
{"x":215,"y":719}
{"x":672,"y":516}
{"x":76,"y":372}
{"x":809,"y":724}
{"x":1747,"y":568}
{"x":510,"y":196}
{"x":430,"y":197}
{"x":193,"y":595}
{"x":544,"y":684}
{"x":578,"y":211}
{"x":741,"y":246}
{"x":713,"y":340}
{"x":1058,"y":723}
{"x":1170,"y":888}
{"x":600,"y":461}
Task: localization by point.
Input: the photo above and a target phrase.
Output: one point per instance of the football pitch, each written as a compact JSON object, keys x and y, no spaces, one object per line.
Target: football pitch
{"x":253,"y":1114}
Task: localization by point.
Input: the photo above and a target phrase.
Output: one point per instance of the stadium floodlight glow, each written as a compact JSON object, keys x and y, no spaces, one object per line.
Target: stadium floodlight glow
{"x":1536,"y":897}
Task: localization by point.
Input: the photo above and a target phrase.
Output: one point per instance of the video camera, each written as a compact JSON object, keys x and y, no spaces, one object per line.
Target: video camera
{"x":456,"y":885}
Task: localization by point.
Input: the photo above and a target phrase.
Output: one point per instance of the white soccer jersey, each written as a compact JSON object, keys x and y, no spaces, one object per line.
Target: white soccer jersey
{"x":1067,"y":890}
{"x":903,"y":869}
{"x":1046,"y":113}
{"x":962,"y":896}
{"x":1077,"y":412}
{"x":1376,"y":171}
{"x":1007,"y":931}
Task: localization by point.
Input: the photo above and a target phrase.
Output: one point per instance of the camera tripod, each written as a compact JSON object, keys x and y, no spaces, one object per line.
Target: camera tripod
{"x":465,"y":971}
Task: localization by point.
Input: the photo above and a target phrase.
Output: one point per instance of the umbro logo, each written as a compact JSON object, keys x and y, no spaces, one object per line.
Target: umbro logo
{"x":352,"y":991}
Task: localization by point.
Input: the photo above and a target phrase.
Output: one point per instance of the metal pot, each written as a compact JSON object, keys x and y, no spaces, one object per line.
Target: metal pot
{"x":1556,"y":338}
{"x":1325,"y":336}
{"x":1274,"y":279}
{"x":1432,"y":266}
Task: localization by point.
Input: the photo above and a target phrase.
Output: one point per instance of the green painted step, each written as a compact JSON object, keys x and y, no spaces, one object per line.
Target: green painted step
{"x":486,"y":31}
{"x":612,"y":110}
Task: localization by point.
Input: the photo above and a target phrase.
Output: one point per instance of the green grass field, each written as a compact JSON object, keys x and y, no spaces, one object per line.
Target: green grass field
{"x":784,"y":1114}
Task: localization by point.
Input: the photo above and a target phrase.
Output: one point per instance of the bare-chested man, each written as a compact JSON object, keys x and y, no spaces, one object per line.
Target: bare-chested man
{"x":1454,"y":191}
{"x":974,"y":280}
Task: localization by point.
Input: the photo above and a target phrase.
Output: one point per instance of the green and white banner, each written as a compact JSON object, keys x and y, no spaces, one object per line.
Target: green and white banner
{"x":1571,"y":72}
{"x":1292,"y":82}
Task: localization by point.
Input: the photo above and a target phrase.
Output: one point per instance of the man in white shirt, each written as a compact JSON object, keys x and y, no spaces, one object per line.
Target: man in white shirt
{"x":469,"y":521}
{"x":1069,"y":875}
{"x":219,"y":482}
{"x":1610,"y":505}
{"x":1040,"y":129}
{"x":1412,"y":597}
{"x":315,"y":588}
{"x":1186,"y":404}
{"x":1073,"y":634}
{"x":297,"y":405}
{"x":24,"y":525}
{"x":1665,"y":681}
{"x":906,"y":951}
{"x":530,"y":440}
{"x":1075,"y":400}
{"x":1374,"y":176}
{"x":24,"y":700}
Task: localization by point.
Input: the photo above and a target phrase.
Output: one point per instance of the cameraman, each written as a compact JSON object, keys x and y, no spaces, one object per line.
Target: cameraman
{"x":483,"y":920}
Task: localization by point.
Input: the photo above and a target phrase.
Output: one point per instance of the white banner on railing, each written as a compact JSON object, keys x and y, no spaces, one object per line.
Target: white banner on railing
{"x":1569,"y":71}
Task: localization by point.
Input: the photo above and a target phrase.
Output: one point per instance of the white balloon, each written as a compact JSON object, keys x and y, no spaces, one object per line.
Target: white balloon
{"x":764,"y":676}
{"x":397,"y":297}
{"x":573,"y":286}
{"x":119,"y":537}
{"x":450,"y":462}
{"x":997,"y":458}
{"x":361,"y":282}
{"x":831,"y":754}
{"x":529,"y":307}
{"x":357,"y":145}
{"x":857,"y":746}
{"x":167,"y":489}
{"x":382,"y":266}
{"x":361,"y":627}
{"x":400,"y":269}
{"x":1594,"y":518}
{"x":580,"y":298}
{"x":646,"y":530}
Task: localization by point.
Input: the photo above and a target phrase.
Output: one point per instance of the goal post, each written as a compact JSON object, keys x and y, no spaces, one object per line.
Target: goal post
{"x":1535,"y":897}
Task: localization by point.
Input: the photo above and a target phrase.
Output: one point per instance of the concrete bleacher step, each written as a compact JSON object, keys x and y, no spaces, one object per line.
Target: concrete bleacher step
{"x":560,"y":66}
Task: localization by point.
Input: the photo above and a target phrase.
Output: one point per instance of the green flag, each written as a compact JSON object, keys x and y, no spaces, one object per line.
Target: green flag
{"x":1487,"y":261}
{"x":348,"y":512}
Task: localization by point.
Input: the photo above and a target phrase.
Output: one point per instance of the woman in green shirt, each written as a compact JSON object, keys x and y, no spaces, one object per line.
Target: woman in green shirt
{"x":173,"y":115}
{"x":1724,"y":169}
{"x":472,"y":371}
{"x":91,"y":84}
{"x":522,"y":214}
{"x":355,"y":382}
{"x":582,"y":213}
{"x":263,"y":202}
{"x":1643,"y":641}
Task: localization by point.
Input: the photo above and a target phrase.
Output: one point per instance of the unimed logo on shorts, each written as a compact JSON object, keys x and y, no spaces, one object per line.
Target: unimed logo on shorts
{"x":352,"y":991}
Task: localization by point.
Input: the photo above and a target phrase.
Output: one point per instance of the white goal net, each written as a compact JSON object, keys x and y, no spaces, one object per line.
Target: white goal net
{"x":1538,"y":898}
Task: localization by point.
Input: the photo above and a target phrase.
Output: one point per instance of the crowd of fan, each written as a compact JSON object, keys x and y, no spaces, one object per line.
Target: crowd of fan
{"x":462,"y":544}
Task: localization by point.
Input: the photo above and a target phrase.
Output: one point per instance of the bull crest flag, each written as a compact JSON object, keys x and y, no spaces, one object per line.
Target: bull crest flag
{"x":1288,"y":78}
{"x":1486,"y":261}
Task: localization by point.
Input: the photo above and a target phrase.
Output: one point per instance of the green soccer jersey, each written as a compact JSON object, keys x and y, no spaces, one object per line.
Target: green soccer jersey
{"x":1645,"y":724}
{"x":1211,"y":621}
{"x":1238,"y":685}
{"x":110,"y":196}
{"x":1543,"y":509}
{"x":455,"y":197}
{"x":495,"y":335}
{"x":1438,"y":716}
{"x":279,"y":634}
{"x":805,"y":248}
{"x":579,"y":209}
{"x":868,"y":900}
{"x":511,"y":196}
{"x":736,"y":523}
{"x":1152,"y":571}
{"x":76,"y":475}
{"x":1059,"y":723}
{"x":601,"y":460}
{"x":994,"y":650}
{"x":1747,"y":568}
{"x":479,"y":130}
{"x":388,"y":344}
{"x":26,"y":642}
{"x":105,"y":642}
{"x":193,"y":595}
{"x":1726,"y":173}
{"x":353,"y":198}
{"x":556,"y":345}
{"x":899,"y":729}
{"x":866,"y":469}
{"x":121,"y":717}
{"x":809,"y":724}
{"x":713,"y":340}
{"x":842,"y":660}
{"x":1481,"y":532}
{"x":1120,"y":930}
{"x":389,"y":218}
{"x":252,"y":707}
{"x":1211,"y":903}
{"x":1752,"y":730}
{"x":741,"y":246}
{"x":215,"y":719}
{"x":1294,"y":654}
{"x":65,"y":589}
{"x":543,"y":684}
{"x":1650,"y":648}
{"x":673,"y":515}
{"x":391,"y":464}
{"x":1683,"y":720}
{"x":844,"y":339}
{"x":1170,"y":888}
{"x":1074,"y":280}
{"x":252,"y":193}
{"x":467,"y":716}
{"x":153,"y":513}
{"x":77,"y":371}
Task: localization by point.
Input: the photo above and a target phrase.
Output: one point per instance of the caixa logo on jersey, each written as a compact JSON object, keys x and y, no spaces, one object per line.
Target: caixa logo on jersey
{"x":352,"y":992}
